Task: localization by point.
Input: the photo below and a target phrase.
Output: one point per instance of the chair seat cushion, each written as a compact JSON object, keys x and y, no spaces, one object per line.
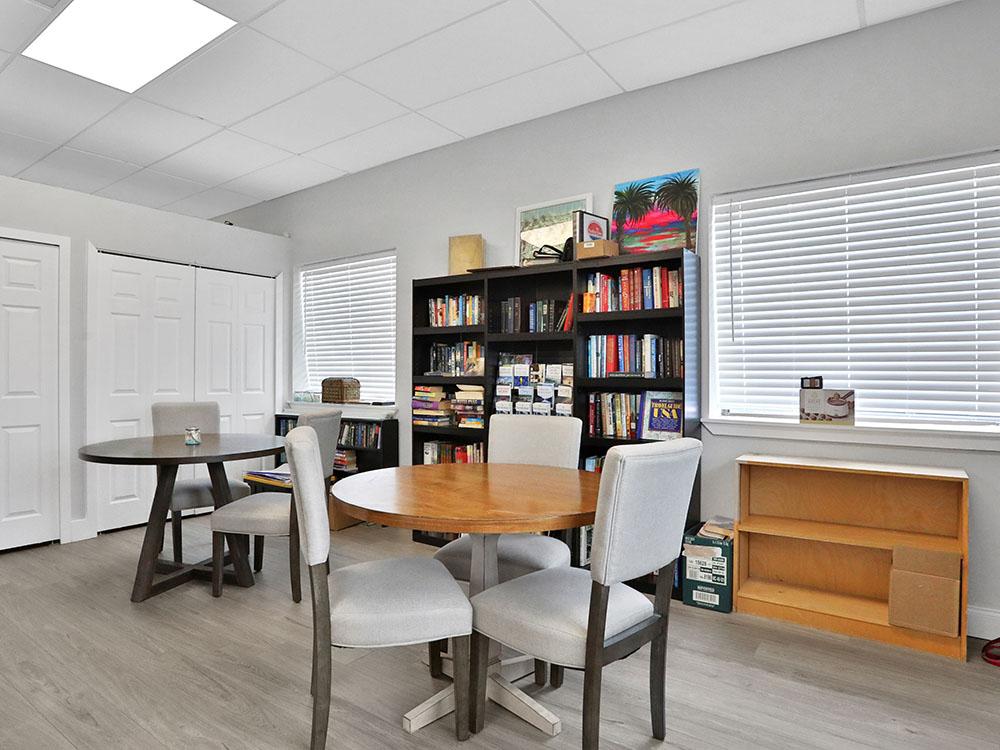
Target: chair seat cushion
{"x":261,"y":514}
{"x":396,"y":602}
{"x":545,"y":614}
{"x":519,"y":555}
{"x":197,"y":493}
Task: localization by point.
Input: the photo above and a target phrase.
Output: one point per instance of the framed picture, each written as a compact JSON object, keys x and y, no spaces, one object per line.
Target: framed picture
{"x":658,"y":213}
{"x":588,"y":227}
{"x":549,"y":223}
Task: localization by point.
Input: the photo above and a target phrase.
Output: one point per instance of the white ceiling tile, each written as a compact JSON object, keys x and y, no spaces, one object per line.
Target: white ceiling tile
{"x":149,"y":188}
{"x":142,"y":133}
{"x":594,"y":23}
{"x":239,"y":76}
{"x":17,"y":152}
{"x":344,"y":33}
{"x":212,"y":203}
{"x":220,"y":158}
{"x":330,"y":111}
{"x":721,"y":37}
{"x":238,"y":10}
{"x":284,"y":177}
{"x":393,"y":140}
{"x":879,"y":11}
{"x":556,"y":87}
{"x":504,"y":41}
{"x":21,"y":20}
{"x":39,"y":101}
{"x":77,"y":170}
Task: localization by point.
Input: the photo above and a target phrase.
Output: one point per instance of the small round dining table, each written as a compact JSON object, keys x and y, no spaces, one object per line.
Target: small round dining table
{"x":167,"y":453}
{"x":483,"y":501}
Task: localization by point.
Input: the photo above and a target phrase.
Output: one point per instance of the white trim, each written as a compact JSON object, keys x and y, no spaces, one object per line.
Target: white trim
{"x":784,"y":429}
{"x":984,"y":623}
{"x":280,"y":355}
{"x":93,"y":355}
{"x":588,"y":199}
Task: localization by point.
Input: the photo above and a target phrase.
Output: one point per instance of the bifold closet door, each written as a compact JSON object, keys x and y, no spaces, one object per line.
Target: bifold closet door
{"x":144,"y":354}
{"x":29,"y":398}
{"x":234,"y":360}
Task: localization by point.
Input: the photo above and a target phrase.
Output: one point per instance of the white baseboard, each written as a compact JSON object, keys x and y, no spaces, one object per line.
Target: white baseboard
{"x":984,"y":623}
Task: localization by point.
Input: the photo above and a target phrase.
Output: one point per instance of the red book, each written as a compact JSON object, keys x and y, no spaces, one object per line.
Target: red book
{"x":568,"y":323}
{"x":623,"y":291}
{"x":664,"y":287}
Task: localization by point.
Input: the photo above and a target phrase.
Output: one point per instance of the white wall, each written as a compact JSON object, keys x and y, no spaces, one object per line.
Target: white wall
{"x":918,"y":88}
{"x":132,"y":229}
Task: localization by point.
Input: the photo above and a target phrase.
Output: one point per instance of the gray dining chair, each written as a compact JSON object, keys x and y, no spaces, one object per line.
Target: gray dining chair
{"x":173,"y":418}
{"x":265,"y":514}
{"x":378,"y":604}
{"x":587,"y":619}
{"x":544,"y":441}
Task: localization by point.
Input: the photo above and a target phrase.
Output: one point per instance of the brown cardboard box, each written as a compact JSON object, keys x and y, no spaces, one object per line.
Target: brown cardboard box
{"x":924,"y":590}
{"x":465,"y":253}
{"x":596,"y":249}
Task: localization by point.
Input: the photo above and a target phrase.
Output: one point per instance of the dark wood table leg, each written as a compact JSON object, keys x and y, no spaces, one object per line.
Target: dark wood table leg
{"x":220,"y":491}
{"x":142,"y":589}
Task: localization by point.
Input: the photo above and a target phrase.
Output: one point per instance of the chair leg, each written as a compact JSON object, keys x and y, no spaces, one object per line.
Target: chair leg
{"x":460,"y":674}
{"x":293,"y":564}
{"x":218,"y":554}
{"x":434,"y":658}
{"x":541,"y":672}
{"x":592,"y":706}
{"x":556,"y":679}
{"x":258,"y":553}
{"x":658,"y":685}
{"x":479,"y":664}
{"x":175,"y":532}
{"x":322,"y":658}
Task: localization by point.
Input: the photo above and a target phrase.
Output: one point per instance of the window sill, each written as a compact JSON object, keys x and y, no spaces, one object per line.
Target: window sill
{"x":938,"y":438}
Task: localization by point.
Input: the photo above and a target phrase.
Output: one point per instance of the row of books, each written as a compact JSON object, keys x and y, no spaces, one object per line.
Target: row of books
{"x":651,"y":415}
{"x":647,"y":356}
{"x":548,"y":315}
{"x":444,"y":452}
{"x":593,"y":463}
{"x":633,"y":289}
{"x":461,"y":358}
{"x":459,"y":310}
{"x":361,"y":434}
{"x":433,"y":407}
{"x":345,"y":460}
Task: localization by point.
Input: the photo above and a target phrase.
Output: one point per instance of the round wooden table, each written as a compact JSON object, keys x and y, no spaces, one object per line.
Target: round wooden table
{"x":484,"y":501}
{"x":166,"y":453}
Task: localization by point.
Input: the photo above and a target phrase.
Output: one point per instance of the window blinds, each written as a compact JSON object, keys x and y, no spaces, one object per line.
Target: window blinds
{"x":885,"y":282}
{"x":348,"y":323}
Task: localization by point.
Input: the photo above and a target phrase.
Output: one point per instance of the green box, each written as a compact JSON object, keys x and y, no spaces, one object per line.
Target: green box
{"x":707,"y":576}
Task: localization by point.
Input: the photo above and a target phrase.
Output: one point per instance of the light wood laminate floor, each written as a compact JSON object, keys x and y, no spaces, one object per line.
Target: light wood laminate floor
{"x":82,"y":667}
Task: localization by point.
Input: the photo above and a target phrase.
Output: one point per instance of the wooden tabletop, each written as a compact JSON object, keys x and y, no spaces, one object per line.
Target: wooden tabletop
{"x":472,"y":498}
{"x":170,"y":449}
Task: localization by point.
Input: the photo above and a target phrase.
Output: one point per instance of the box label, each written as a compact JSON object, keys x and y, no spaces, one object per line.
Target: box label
{"x":705,"y":598}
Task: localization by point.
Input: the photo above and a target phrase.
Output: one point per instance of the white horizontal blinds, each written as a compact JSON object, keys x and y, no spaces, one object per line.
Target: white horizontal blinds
{"x":888,"y":283}
{"x":349,"y":323}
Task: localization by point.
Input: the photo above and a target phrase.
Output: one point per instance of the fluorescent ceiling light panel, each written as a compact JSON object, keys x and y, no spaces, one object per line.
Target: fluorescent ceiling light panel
{"x":126,"y":43}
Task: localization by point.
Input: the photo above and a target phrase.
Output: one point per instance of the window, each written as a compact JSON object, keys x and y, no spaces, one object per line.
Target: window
{"x":348,"y":324}
{"x":886,"y":282}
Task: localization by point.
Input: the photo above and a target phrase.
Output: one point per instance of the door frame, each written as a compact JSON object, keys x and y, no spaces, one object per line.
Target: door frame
{"x":64,"y":446}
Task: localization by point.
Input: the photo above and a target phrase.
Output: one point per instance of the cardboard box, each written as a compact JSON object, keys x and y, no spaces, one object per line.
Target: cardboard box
{"x":707,"y":571}
{"x":465,"y":253}
{"x":596,"y":249}
{"x":925,"y":590}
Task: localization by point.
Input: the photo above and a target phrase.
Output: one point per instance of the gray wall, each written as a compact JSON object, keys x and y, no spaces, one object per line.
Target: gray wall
{"x":132,"y":229}
{"x":913,"y":89}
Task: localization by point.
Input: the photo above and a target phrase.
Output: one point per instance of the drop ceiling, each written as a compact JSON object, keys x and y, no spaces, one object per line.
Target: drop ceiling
{"x":301,"y":92}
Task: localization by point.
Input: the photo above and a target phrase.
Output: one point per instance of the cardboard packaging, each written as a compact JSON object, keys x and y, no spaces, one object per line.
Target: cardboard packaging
{"x":465,"y":253}
{"x":707,"y":571}
{"x":596,"y":249}
{"x":924,"y":590}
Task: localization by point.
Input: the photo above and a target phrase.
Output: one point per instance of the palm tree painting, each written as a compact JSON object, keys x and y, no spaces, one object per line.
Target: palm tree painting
{"x":660,"y":213}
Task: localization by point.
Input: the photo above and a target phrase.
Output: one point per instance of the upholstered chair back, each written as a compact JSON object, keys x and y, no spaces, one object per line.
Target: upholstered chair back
{"x":327,"y":426}
{"x":545,"y":441}
{"x":173,"y":417}
{"x":642,"y":505}
{"x":309,"y":480}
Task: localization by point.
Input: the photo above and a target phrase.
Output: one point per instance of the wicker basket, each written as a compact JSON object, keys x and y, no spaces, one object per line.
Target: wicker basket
{"x":341,"y":390}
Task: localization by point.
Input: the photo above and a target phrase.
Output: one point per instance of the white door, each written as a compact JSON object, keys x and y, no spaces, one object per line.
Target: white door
{"x":144,"y":353}
{"x":234,"y":359}
{"x":29,"y":398}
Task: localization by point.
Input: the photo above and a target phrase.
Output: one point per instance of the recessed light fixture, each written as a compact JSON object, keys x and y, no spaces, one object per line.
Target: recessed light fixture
{"x":126,"y":43}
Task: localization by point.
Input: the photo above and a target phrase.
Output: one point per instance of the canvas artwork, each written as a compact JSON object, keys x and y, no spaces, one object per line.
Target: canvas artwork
{"x":656,"y":214}
{"x":546,"y":224}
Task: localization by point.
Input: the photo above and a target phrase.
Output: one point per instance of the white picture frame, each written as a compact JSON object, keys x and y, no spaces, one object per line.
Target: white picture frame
{"x":584,"y":202}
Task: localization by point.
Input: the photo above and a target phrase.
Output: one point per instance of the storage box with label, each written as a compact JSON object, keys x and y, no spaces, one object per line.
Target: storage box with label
{"x":925,"y":590}
{"x":596,"y":249}
{"x":707,"y":571}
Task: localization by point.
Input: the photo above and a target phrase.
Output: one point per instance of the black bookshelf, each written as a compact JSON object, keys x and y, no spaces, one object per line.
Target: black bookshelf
{"x":559,"y":281}
{"x":382,"y":456}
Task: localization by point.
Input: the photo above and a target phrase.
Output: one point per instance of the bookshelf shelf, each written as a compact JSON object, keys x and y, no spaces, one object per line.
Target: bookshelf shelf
{"x":475,"y":433}
{"x":854,"y":536}
{"x":616,"y":315}
{"x":605,"y":442}
{"x":667,"y":258}
{"x":449,"y":330}
{"x":629,"y":382}
{"x":448,"y":380}
{"x":513,"y":337}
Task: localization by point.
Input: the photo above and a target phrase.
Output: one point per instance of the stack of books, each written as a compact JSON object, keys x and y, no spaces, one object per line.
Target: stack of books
{"x":443,"y":452}
{"x":646,"y":356}
{"x":468,"y":405}
{"x":463,"y":358}
{"x":346,"y":461}
{"x":431,"y":407}
{"x":633,"y":289}
{"x":460,"y":310}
